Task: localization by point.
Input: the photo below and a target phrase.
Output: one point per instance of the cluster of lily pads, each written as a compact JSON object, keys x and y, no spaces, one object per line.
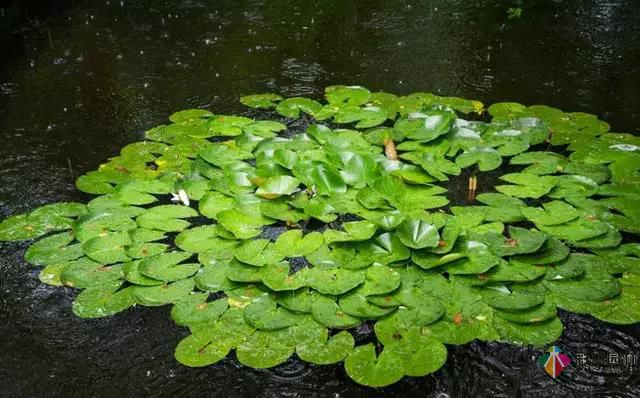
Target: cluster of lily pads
{"x":282,"y":240}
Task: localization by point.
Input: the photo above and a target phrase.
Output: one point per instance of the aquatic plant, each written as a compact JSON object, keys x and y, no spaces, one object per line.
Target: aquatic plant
{"x":286,"y":234}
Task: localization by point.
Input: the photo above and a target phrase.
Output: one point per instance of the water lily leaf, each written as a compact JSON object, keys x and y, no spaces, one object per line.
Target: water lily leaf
{"x":536,"y":334}
{"x":264,"y":101}
{"x":466,"y":316}
{"x":108,"y":249}
{"x":197,"y":350}
{"x":385,"y":249}
{"x":528,"y":185}
{"x":227,"y":126}
{"x":196,"y":309}
{"x":263,"y":349}
{"x":164,"y":294}
{"x":417,"y":234}
{"x":513,"y":301}
{"x":576,"y":230}
{"x":536,"y":314}
{"x":521,"y":241}
{"x":166,"y":266}
{"x":334,"y":281}
{"x":146,"y":249}
{"x":223,"y":155}
{"x":293,"y":244}
{"x":594,"y":286}
{"x":325,"y":350}
{"x":198,"y":239}
{"x":278,"y":277}
{"x":105,"y":300}
{"x":418,"y":354}
{"x":54,"y":249}
{"x":257,"y":252}
{"x":436,"y":166}
{"x":322,"y":177}
{"x":263,"y":313}
{"x":573,"y":185}
{"x":214,"y":202}
{"x":357,"y":168}
{"x":86,"y":273}
{"x":486,"y":158}
{"x":242,"y":225}
{"x":401,"y":323}
{"x":347,"y":95}
{"x":569,"y":269}
{"x":166,"y":218}
{"x":512,"y":271}
{"x":554,"y":213}
{"x":353,"y":231}
{"x":189,"y":115}
{"x":212,"y":277}
{"x":425,"y":126}
{"x":609,"y":240}
{"x":141,"y":235}
{"x":277,"y":186}
{"x":51,"y":274}
{"x":95,"y":224}
{"x":553,"y":251}
{"x":363,"y":366}
{"x":327,"y":312}
{"x":540,"y":162}
{"x":132,"y":274}
{"x":291,"y":107}
{"x":338,"y":256}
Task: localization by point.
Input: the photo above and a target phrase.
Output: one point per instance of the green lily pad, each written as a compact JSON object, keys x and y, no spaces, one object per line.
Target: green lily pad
{"x":196,"y":351}
{"x":325,"y":350}
{"x":554,"y":213}
{"x":527,"y":185}
{"x":537,"y":334}
{"x":196,"y":309}
{"x":263,"y":101}
{"x":486,"y":158}
{"x":54,"y":249}
{"x":417,"y":234}
{"x":164,"y":294}
{"x":277,"y":186}
{"x":293,"y":244}
{"x":103,"y":301}
{"x":363,"y":366}
{"x":263,"y":349}
{"x":263,"y":313}
{"x":108,"y":249}
{"x":291,"y":107}
{"x":327,"y":312}
{"x":582,"y":228}
{"x":167,"y":266}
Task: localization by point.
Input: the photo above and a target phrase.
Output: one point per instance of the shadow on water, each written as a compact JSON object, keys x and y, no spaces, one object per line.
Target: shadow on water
{"x":79,"y":79}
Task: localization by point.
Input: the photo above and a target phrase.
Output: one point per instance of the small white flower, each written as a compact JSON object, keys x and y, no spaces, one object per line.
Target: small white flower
{"x":181,"y":197}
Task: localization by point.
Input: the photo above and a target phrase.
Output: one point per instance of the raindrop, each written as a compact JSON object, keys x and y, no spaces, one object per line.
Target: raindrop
{"x":145,"y":85}
{"x":172,"y":373}
{"x":119,"y":56}
{"x":217,"y":74}
{"x":141,"y":52}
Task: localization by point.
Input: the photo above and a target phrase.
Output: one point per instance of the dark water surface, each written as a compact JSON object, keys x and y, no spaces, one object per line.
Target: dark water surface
{"x":80,"y":79}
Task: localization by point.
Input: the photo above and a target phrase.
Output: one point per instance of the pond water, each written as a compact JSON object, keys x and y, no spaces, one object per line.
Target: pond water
{"x":79,"y":79}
